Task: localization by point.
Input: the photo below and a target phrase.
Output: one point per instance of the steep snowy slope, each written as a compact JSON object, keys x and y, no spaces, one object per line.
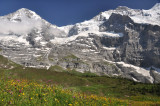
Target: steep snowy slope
{"x":21,"y":24}
{"x":151,"y":16}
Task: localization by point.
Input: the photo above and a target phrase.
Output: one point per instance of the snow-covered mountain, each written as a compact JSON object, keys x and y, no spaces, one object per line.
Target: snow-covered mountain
{"x":151,"y":16}
{"x":122,"y":42}
{"x":19,"y":25}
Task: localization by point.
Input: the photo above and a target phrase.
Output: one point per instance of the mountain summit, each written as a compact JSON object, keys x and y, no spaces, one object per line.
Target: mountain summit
{"x":22,"y":14}
{"x":123,"y":42}
{"x":156,"y":6}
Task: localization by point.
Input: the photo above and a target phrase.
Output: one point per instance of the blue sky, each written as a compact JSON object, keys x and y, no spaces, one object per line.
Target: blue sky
{"x":64,"y":12}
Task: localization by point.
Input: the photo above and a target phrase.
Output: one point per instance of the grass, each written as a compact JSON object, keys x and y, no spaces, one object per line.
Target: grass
{"x":51,"y":59}
{"x":56,"y":68}
{"x":88,"y":83}
{"x":23,"y":93}
{"x":5,"y":63}
{"x":58,"y":86}
{"x":72,"y":58}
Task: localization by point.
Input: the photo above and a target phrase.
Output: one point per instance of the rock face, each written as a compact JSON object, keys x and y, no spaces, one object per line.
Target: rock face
{"x":140,"y":45}
{"x":122,"y":42}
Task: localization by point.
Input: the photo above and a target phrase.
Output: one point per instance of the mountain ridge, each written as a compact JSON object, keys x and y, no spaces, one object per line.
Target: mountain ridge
{"x":112,"y":43}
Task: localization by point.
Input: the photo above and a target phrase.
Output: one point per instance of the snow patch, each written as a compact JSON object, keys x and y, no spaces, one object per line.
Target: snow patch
{"x":38,"y":38}
{"x":43,"y":43}
{"x":85,"y":50}
{"x":65,"y":40}
{"x":15,"y":38}
{"x":139,"y":70}
{"x":109,"y":48}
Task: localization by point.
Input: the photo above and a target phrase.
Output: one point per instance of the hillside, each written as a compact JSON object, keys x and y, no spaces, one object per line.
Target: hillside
{"x":57,"y":85}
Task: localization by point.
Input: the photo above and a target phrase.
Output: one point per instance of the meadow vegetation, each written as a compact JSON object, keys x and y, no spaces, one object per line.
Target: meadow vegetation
{"x":66,"y":87}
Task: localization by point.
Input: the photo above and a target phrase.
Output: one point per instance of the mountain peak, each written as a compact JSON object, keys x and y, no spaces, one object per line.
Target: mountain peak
{"x":21,"y":14}
{"x":28,"y":13}
{"x":122,"y":8}
{"x":156,"y":6}
{"x":24,"y":9}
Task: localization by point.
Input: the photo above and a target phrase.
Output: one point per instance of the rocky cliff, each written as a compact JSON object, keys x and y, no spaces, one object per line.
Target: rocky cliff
{"x":121,"y":43}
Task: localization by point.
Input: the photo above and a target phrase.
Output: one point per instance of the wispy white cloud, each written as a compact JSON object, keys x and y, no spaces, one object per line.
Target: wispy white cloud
{"x":23,"y":27}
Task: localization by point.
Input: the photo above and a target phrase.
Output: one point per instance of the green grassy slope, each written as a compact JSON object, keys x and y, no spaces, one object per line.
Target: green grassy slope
{"x":84,"y":82}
